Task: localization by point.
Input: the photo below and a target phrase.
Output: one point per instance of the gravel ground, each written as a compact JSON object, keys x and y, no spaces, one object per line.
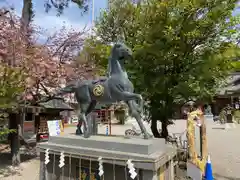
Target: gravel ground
{"x":28,"y":170}
{"x":224,"y":148}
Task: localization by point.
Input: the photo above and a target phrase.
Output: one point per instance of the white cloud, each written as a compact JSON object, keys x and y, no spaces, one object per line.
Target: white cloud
{"x":51,"y":23}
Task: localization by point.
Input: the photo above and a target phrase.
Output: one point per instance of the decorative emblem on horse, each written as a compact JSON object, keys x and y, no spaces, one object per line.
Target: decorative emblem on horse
{"x":114,"y":88}
{"x":98,"y":90}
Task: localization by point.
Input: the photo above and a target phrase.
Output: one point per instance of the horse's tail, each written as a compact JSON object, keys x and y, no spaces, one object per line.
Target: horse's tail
{"x":66,"y":90}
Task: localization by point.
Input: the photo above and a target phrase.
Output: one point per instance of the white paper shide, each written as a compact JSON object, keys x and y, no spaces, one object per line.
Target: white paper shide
{"x":100,"y":168}
{"x":132,"y":170}
{"x":61,"y":160}
{"x":47,"y":160}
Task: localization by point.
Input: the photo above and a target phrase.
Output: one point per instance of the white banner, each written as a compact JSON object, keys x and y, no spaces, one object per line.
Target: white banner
{"x":54,"y":127}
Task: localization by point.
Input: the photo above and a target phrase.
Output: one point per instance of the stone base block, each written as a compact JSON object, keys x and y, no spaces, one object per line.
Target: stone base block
{"x":151,"y":158}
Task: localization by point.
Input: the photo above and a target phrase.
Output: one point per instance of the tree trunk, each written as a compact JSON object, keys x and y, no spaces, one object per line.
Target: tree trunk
{"x":162,"y":113}
{"x":164,"y":133}
{"x":14,"y":139}
{"x":155,"y":129}
{"x":15,"y":149}
{"x":27,"y":15}
{"x":154,"y":112}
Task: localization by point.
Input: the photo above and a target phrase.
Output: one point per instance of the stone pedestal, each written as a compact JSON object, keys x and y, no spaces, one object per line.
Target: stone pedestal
{"x":152,"y":159}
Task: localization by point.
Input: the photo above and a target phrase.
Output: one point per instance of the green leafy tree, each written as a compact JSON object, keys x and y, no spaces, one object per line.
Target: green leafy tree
{"x":11,"y":87}
{"x":60,"y":5}
{"x":236,"y":65}
{"x":97,"y":52}
{"x":182,"y":49}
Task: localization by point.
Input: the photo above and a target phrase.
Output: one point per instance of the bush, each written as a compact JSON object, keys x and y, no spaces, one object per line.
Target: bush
{"x":236,"y":116}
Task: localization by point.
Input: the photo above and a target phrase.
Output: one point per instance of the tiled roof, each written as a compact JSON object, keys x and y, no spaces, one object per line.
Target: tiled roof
{"x":56,"y":104}
{"x":232,"y":85}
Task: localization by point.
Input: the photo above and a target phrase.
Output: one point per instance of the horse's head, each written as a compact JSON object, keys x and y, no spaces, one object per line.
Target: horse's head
{"x":121,"y":51}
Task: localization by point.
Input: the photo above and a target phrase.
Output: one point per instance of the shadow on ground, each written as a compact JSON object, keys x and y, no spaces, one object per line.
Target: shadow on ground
{"x":6,"y":168}
{"x":218,"y":176}
{"x":222,"y":128}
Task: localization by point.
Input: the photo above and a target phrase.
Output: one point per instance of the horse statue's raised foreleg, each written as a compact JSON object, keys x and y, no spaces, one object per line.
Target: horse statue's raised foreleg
{"x":133,"y":111}
{"x":128,"y":96}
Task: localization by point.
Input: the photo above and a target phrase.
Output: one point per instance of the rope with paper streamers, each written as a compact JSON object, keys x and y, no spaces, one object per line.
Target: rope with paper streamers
{"x":129,"y":162}
{"x":76,"y":155}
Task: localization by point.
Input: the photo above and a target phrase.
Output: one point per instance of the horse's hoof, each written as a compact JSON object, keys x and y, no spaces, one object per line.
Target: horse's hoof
{"x":150,"y":135}
{"x":78,"y":131}
{"x":146,"y":136}
{"x":86,"y":135}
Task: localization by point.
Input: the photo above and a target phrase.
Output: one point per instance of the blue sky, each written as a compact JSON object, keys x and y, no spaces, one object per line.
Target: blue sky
{"x":71,"y":17}
{"x":237,"y":11}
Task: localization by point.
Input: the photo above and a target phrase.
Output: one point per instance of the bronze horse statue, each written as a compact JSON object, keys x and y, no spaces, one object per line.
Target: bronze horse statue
{"x":114,"y":88}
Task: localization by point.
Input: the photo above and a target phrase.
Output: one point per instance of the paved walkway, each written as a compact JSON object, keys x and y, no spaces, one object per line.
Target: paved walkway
{"x":224,"y":148}
{"x":28,"y":170}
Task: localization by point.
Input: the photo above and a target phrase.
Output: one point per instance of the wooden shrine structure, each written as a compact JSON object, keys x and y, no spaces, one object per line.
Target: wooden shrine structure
{"x":30,"y":123}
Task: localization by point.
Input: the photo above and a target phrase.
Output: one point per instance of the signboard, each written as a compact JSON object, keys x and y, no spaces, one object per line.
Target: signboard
{"x":74,"y":119}
{"x":28,"y":126}
{"x":84,"y":174}
{"x":43,"y":128}
{"x":54,"y":127}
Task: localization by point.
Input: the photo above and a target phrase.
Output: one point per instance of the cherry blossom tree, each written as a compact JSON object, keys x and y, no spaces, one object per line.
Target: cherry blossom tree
{"x":11,"y":58}
{"x":46,"y":65}
{"x":30,"y":70}
{"x":55,"y":62}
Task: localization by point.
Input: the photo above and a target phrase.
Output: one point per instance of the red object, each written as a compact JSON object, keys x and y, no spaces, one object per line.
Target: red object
{"x":104,"y":115}
{"x":43,"y":136}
